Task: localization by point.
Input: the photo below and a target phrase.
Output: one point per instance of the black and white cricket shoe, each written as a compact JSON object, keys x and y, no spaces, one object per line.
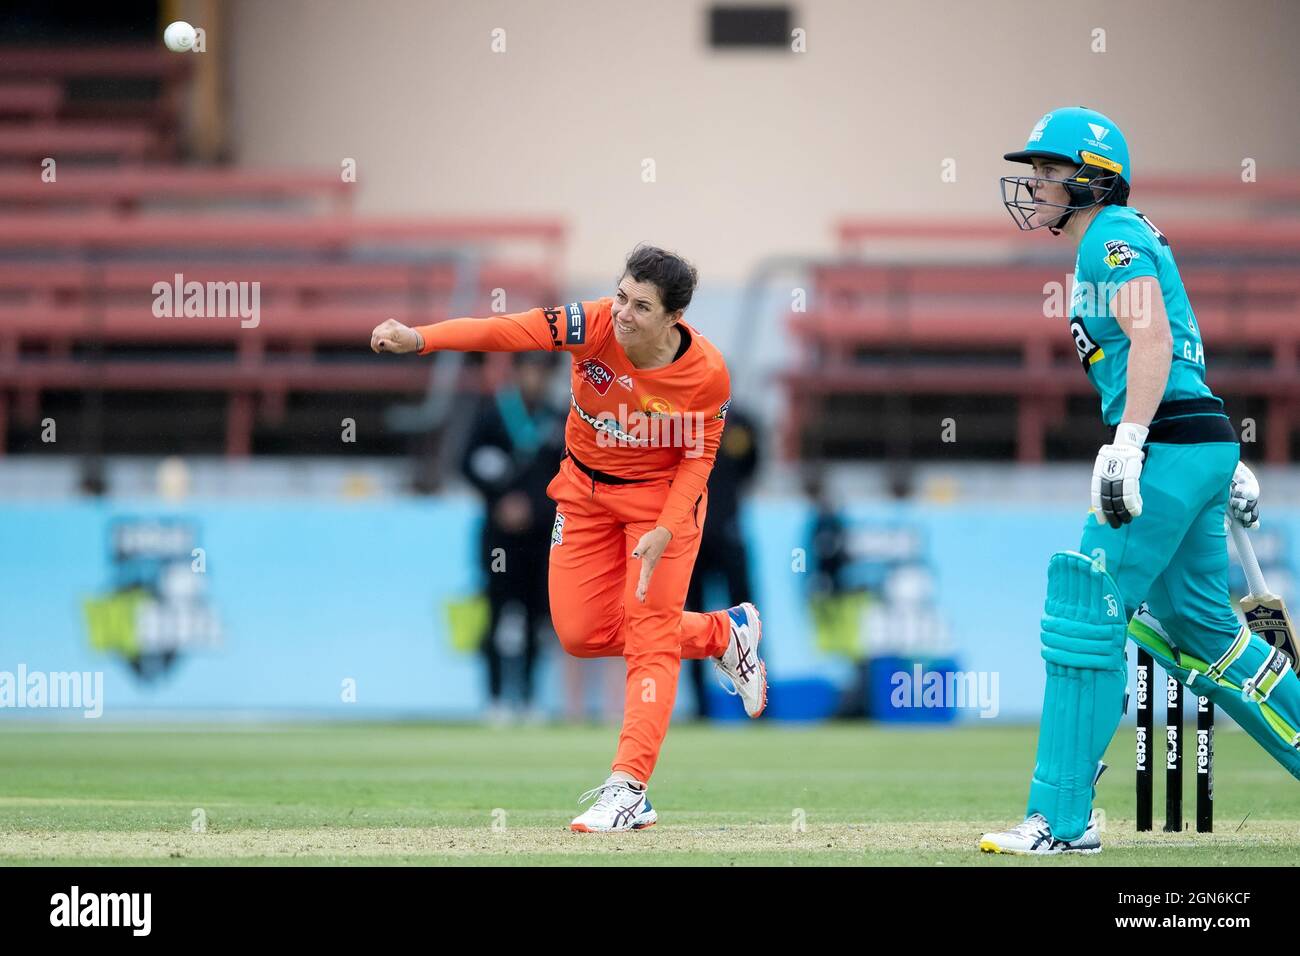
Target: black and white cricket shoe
{"x":1034,"y":838}
{"x":740,"y":662}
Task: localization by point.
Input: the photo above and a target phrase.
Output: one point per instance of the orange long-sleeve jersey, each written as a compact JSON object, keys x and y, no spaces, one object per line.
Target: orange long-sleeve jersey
{"x":642,"y":424}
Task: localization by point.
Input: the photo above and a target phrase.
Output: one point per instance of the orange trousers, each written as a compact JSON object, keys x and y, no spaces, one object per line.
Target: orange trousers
{"x":593,"y":581}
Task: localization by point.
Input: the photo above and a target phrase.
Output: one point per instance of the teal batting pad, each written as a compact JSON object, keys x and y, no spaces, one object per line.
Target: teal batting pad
{"x":1083,"y":633}
{"x":1083,"y":618}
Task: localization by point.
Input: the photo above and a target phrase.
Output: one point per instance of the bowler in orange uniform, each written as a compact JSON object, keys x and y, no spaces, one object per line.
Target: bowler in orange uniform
{"x":649,"y":398}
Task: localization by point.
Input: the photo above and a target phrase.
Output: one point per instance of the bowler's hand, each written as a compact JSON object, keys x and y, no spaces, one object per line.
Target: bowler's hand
{"x":649,"y":549}
{"x":392,"y":336}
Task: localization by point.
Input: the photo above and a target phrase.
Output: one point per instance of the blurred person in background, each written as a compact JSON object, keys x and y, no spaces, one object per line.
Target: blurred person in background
{"x":516,"y":439}
{"x":829,"y":538}
{"x":836,"y":608}
{"x":649,"y":398}
{"x":724,"y":559}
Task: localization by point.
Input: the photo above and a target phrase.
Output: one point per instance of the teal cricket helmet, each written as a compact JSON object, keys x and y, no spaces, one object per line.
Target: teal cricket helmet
{"x":1081,"y":137}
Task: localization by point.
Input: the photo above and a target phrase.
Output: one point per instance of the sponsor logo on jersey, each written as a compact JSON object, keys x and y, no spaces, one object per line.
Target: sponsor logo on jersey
{"x":607,"y":423}
{"x":553,"y":325}
{"x":1089,"y":351}
{"x":625,"y":381}
{"x":576,"y":329}
{"x":557,"y":530}
{"x":599,"y":375}
{"x":726,"y":406}
{"x":1119,"y":254}
{"x":632,"y":427}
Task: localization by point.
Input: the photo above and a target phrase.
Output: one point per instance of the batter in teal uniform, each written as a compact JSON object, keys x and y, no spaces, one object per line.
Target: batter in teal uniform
{"x":1152,"y":563}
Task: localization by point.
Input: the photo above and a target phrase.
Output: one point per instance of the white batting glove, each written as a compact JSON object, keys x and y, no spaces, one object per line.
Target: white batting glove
{"x":1243,"y":497}
{"x":1116,"y":495}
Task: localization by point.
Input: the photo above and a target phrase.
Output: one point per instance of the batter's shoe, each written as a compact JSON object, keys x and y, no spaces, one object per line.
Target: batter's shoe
{"x":1034,"y":838}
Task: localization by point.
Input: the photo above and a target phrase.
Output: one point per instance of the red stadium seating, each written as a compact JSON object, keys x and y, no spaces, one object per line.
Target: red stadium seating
{"x":952,"y":327}
{"x":36,"y":101}
{"x":29,"y":143}
{"x":80,"y":256}
{"x":326,"y":295}
{"x":147,"y":188}
{"x":70,"y":126}
{"x":1240,"y":237}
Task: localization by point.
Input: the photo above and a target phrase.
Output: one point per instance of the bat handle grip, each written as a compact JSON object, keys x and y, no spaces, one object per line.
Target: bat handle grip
{"x":1249,"y":563}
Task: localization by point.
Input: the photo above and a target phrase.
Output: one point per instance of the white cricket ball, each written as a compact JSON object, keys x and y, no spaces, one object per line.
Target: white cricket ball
{"x":179,"y":37}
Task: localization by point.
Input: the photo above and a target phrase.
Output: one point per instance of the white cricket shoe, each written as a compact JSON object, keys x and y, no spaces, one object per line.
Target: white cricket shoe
{"x":1034,"y":838}
{"x":740,"y":662}
{"x":619,"y":807}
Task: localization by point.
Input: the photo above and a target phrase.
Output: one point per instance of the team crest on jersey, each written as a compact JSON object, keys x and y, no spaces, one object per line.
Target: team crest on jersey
{"x":1089,"y":351}
{"x":1119,"y":253}
{"x":598,"y":375}
{"x":654,"y":406}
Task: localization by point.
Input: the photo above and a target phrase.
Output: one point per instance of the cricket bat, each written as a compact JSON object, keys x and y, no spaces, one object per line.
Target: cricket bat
{"x":1266,"y":613}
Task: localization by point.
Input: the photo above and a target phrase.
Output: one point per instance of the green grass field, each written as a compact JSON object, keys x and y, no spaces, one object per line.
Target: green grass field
{"x":453,"y":794}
